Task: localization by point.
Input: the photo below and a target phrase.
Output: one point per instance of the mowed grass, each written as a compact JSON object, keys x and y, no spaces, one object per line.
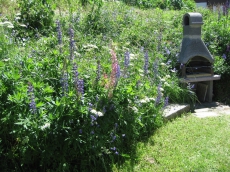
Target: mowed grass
{"x":185,"y":144}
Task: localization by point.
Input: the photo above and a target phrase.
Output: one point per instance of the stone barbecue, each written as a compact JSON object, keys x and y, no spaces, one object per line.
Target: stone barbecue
{"x":196,"y":62}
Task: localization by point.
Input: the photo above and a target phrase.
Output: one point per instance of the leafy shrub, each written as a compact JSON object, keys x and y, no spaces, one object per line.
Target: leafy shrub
{"x":163,"y":4}
{"x":216,"y":37}
{"x":36,"y":14}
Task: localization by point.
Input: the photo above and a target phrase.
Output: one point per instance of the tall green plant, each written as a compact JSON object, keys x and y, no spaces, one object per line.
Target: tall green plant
{"x":37,"y":14}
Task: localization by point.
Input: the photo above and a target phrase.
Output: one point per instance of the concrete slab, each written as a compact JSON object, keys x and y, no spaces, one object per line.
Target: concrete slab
{"x":175,"y":110}
{"x":211,"y":109}
{"x":206,"y":114}
{"x":202,"y":110}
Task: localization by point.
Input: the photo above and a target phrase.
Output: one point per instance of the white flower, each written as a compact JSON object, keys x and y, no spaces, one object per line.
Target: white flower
{"x":145,"y":100}
{"x":167,"y":76}
{"x":10,"y":26}
{"x":166,"y":84}
{"x":132,"y":56}
{"x":90,"y":46}
{"x":141,"y":71}
{"x":151,"y":98}
{"x":93,"y":111}
{"x":99,"y":114}
{"x":22,"y":25}
{"x":162,"y":80}
{"x":134,"y":109}
{"x":7,"y":24}
{"x":47,"y":125}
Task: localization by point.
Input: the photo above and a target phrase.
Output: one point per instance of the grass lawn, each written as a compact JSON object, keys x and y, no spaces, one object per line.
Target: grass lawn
{"x":185,"y":144}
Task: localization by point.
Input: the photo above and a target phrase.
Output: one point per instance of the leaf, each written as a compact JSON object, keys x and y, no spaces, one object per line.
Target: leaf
{"x":16,"y":75}
{"x":57,"y":103}
{"x":48,"y":99}
{"x":48,"y":89}
{"x":125,"y":155}
{"x":40,"y":104}
{"x":19,"y":123}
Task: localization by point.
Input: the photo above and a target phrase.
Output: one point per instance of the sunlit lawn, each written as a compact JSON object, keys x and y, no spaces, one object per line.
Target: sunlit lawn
{"x":186,"y":144}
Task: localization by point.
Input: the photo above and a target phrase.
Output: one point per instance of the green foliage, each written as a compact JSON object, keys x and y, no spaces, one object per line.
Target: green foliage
{"x":215,"y":34}
{"x":163,"y":4}
{"x":37,"y":14}
{"x":48,"y":126}
{"x":93,"y":19}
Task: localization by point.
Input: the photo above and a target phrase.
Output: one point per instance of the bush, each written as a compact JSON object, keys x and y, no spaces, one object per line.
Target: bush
{"x":215,"y":34}
{"x":37,"y":15}
{"x":163,"y":4}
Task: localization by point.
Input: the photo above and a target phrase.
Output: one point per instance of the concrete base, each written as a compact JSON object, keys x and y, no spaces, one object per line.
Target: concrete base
{"x":174,"y":110}
{"x":211,"y":109}
{"x":202,"y":110}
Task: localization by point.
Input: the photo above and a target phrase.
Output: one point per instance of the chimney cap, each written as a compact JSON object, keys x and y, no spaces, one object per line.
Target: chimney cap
{"x":192,"y":19}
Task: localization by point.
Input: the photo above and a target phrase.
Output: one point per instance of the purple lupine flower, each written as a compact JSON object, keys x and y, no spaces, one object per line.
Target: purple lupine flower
{"x":75,"y":74}
{"x":190,"y":86}
{"x":127,"y":59}
{"x":118,"y":74}
{"x":92,"y":132}
{"x":80,"y":131}
{"x":155,"y":68}
{"x":104,"y":110}
{"x":146,"y":65}
{"x":225,"y":8}
{"x":228,"y":48}
{"x":64,"y":83}
{"x":224,"y":56}
{"x":114,"y":138}
{"x":112,"y":106}
{"x":71,"y":43}
{"x":174,"y":70}
{"x":90,"y":106}
{"x":32,"y":103}
{"x":159,"y":95}
{"x":142,"y":49}
{"x":93,"y":118}
{"x":98,"y":71}
{"x":166,"y":101}
{"x":167,"y":51}
{"x":116,"y":153}
{"x":97,"y":98}
{"x":123,"y":135}
{"x":169,"y":62}
{"x":80,"y":86}
{"x":159,"y":41}
{"x":113,"y":148}
{"x":59,"y":32}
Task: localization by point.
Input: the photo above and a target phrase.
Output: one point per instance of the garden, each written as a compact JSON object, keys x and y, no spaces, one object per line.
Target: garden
{"x":84,"y":82}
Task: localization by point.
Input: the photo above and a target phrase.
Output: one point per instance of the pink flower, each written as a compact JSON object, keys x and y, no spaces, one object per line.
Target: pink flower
{"x":115,"y":69}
